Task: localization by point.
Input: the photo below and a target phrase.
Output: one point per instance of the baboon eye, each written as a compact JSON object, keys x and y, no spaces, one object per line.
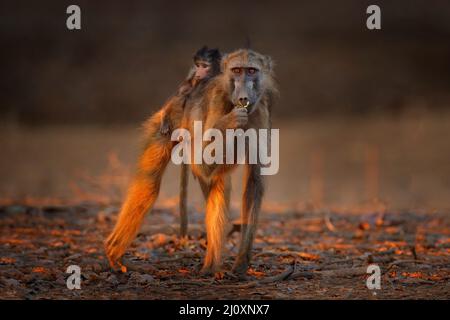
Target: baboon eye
{"x":236,"y":70}
{"x":252,"y":70}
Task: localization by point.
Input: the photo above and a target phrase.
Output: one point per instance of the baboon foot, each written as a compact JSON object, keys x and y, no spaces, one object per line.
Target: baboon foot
{"x":113,"y":255}
{"x":210,"y":273}
{"x":209,"y":270}
{"x":230,"y":275}
{"x":117,"y":265}
{"x":240,"y":267}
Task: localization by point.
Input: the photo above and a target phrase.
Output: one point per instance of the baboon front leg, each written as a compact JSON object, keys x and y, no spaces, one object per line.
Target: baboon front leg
{"x":251,"y":206}
{"x":216,"y":220}
{"x":141,"y":196}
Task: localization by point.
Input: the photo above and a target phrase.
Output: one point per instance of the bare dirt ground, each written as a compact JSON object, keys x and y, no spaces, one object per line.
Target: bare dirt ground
{"x":297,"y":255}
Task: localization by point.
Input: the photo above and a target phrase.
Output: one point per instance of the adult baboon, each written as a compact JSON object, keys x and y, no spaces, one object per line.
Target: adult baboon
{"x":247,"y":79}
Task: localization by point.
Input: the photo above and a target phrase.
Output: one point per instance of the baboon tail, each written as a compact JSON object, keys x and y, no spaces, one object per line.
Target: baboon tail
{"x":141,"y":196}
{"x":184,"y":180}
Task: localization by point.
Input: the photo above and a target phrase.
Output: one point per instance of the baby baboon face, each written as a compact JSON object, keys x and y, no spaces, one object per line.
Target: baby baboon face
{"x":202,"y":69}
{"x":206,"y":63}
{"x":246,"y":71}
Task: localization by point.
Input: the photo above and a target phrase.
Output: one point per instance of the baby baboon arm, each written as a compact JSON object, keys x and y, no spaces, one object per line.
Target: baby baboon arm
{"x":185,"y":88}
{"x":165,"y":123}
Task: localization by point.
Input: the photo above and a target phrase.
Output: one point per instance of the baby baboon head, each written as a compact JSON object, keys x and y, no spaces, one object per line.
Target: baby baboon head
{"x":207,"y":63}
{"x":248,"y":74}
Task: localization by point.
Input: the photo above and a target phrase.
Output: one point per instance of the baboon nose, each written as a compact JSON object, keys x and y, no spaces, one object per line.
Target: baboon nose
{"x":243,"y":101}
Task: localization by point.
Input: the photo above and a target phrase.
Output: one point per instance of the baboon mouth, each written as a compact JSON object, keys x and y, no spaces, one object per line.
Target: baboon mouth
{"x":241,"y":105}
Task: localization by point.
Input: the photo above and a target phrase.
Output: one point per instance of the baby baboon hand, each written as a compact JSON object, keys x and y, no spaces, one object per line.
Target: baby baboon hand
{"x":239,"y":117}
{"x":165,"y":127}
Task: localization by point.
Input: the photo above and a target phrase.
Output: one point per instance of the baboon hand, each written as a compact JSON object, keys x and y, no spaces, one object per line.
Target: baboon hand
{"x":239,"y":117}
{"x":165,"y":128}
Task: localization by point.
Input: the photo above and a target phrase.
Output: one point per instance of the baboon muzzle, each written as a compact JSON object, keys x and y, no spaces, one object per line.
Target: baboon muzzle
{"x":243,"y":103}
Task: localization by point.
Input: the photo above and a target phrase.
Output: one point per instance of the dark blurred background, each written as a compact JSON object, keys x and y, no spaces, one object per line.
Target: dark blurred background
{"x":363,"y":115}
{"x":130,"y":55}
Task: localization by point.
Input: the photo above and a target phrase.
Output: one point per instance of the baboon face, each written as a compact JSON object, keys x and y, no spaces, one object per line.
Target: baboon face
{"x":246,"y":71}
{"x":202,"y":69}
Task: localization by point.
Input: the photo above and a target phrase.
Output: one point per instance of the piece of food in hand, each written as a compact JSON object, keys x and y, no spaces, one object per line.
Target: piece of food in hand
{"x":243,"y":106}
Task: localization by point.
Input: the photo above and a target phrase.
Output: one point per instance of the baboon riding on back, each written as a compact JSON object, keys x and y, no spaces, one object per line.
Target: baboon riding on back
{"x":241,"y":96}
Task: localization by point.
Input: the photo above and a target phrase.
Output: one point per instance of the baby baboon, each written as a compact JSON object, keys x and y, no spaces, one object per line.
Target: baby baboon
{"x":247,"y":79}
{"x":206,"y":65}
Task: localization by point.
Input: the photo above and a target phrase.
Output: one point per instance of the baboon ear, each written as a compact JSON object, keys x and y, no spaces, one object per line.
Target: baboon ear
{"x":268,"y":63}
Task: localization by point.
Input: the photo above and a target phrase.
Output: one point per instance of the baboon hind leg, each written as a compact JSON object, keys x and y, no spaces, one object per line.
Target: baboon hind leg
{"x":251,"y":206}
{"x":216,"y":221}
{"x":204,"y":186}
{"x":141,"y":195}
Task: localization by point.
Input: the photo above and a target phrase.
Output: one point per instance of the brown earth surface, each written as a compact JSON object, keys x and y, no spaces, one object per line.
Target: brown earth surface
{"x":297,"y":255}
